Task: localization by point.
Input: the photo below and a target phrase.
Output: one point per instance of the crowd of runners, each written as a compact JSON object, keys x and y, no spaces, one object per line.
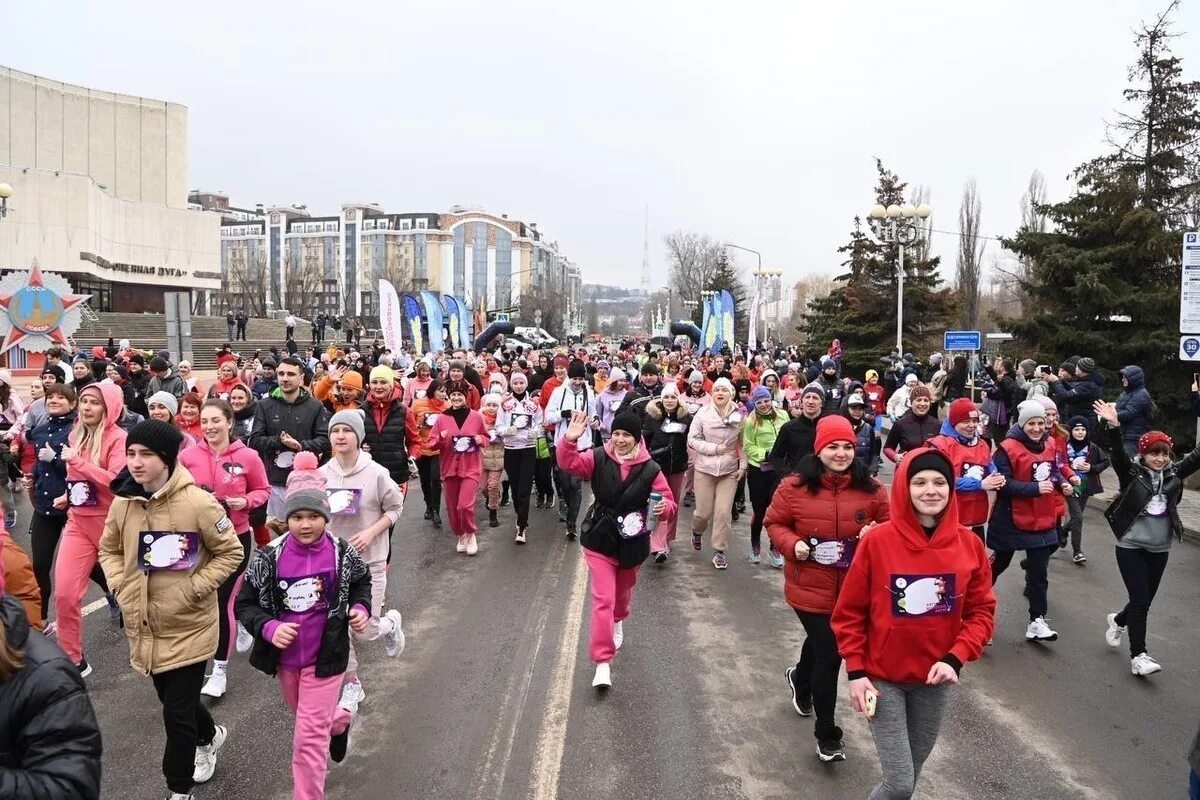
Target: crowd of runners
{"x":256,"y":514}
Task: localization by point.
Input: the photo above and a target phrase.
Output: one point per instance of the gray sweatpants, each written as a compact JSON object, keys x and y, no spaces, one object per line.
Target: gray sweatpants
{"x":905,"y":728}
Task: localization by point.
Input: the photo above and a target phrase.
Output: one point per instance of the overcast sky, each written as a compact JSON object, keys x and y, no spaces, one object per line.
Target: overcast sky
{"x":754,"y":126}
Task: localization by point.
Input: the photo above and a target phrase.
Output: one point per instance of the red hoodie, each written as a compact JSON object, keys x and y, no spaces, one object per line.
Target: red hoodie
{"x":910,"y":600}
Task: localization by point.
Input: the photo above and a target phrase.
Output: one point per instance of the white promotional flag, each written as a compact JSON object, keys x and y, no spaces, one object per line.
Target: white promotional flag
{"x":390,"y":319}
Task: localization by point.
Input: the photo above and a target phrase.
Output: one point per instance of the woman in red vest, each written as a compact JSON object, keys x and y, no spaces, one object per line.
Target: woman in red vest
{"x":1025,"y":516}
{"x":974,"y":472}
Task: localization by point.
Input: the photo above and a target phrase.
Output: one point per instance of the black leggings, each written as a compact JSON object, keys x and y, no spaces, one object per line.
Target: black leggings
{"x":224,"y":592}
{"x":429,"y":469}
{"x":186,"y":720}
{"x":519,"y":466}
{"x":542,"y":478}
{"x":44,"y":533}
{"x":762,"y":486}
{"x":817,"y":670}
{"x":1037,"y":565}
{"x":1142,"y":571}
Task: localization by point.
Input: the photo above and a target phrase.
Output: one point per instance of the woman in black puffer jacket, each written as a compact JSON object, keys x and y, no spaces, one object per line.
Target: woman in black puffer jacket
{"x":49,"y":738}
{"x":664,"y":429}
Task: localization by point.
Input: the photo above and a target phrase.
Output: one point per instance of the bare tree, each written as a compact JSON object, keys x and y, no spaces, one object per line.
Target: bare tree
{"x":693,"y":259}
{"x":920,"y":248}
{"x":805,"y":291}
{"x":303,"y":281}
{"x":1033,"y":218}
{"x":244,"y":283}
{"x":969,"y":268}
{"x":544,"y":307}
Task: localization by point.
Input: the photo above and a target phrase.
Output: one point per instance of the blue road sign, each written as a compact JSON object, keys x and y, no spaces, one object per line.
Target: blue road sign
{"x":963,"y":340}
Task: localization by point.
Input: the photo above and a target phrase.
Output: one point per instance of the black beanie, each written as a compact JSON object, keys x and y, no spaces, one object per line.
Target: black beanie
{"x":160,"y":438}
{"x":934,"y":460}
{"x":576,"y":370}
{"x":629,"y":422}
{"x":159,"y":364}
{"x":650,"y":368}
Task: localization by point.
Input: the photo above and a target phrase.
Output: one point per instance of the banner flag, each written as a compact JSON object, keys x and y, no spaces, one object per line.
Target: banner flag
{"x":434,"y":321}
{"x":390,"y":320}
{"x":412,"y":310}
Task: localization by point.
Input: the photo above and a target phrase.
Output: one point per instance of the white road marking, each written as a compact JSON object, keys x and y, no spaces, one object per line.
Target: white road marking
{"x":547,"y":763}
{"x":95,"y":605}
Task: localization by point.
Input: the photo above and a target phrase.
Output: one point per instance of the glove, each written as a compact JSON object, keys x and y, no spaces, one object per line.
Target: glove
{"x":46,"y":453}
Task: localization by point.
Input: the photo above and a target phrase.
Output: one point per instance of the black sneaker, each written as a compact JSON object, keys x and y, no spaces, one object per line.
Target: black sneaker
{"x":84,"y":668}
{"x":831,"y":750}
{"x":493,"y":522}
{"x":734,"y":514}
{"x":436,"y":519}
{"x":570,"y":533}
{"x":428,"y":515}
{"x":538,"y":502}
{"x":338,"y":744}
{"x":660,"y":557}
{"x":801,"y":701}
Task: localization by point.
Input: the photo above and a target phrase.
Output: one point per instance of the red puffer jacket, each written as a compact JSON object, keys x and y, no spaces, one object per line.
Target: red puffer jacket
{"x":837,"y":513}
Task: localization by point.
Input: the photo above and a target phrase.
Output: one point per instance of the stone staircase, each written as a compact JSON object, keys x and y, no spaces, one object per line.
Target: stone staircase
{"x":149,"y":332}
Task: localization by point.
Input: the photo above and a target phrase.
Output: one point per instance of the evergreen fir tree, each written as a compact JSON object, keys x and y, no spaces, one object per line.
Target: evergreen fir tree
{"x":1107,"y":273}
{"x":727,"y":277}
{"x":861,"y":310}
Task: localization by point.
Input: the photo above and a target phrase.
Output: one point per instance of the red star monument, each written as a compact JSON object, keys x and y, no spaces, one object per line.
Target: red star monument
{"x":16,"y":334}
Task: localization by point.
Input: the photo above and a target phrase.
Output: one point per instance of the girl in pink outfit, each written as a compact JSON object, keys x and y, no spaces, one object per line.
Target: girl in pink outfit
{"x":235,"y":475}
{"x":94,"y":454}
{"x":493,"y":455}
{"x":460,"y":436}
{"x":614,"y":535}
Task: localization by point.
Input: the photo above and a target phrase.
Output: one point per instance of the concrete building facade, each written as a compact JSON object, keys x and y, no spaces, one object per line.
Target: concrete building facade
{"x":100,"y":194}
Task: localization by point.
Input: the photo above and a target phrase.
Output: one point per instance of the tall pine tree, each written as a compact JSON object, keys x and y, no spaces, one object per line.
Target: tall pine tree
{"x":861,"y":310}
{"x":1107,"y":273}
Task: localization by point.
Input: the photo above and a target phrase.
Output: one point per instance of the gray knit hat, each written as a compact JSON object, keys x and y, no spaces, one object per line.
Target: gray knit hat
{"x":1029,"y":409}
{"x":353,"y":418}
{"x":164,"y":399}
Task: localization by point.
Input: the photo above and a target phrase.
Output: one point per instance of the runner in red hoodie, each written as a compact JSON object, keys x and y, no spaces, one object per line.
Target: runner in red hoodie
{"x":917,"y":604}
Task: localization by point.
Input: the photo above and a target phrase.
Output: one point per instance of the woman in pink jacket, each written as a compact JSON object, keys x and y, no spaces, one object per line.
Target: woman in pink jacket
{"x":94,"y":454}
{"x":716,"y":438}
{"x":460,"y":435}
{"x":235,"y":475}
{"x":615,"y":534}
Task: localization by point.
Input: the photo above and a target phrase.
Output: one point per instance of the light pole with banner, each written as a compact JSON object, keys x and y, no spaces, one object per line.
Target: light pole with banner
{"x":898,"y":225}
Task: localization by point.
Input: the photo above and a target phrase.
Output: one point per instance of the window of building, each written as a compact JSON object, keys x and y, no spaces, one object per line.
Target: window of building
{"x":422,"y":224}
{"x":406,"y":224}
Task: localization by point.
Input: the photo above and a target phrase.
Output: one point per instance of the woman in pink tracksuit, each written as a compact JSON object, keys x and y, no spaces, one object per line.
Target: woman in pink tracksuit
{"x":460,"y":435}
{"x":614,"y":535}
{"x":94,"y":454}
{"x":235,"y":475}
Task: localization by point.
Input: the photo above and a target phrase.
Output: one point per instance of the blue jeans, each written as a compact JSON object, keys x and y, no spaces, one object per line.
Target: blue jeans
{"x":1194,"y":786}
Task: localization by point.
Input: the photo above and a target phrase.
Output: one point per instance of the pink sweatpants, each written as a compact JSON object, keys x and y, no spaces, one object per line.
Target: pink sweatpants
{"x":314,"y":701}
{"x":491,"y":483}
{"x":78,"y":551}
{"x":460,"y":503}
{"x":612,"y":591}
{"x":664,"y":532}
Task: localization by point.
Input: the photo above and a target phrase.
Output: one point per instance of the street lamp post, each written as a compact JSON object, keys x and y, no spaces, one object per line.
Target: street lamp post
{"x":6,"y":192}
{"x":766,"y":285}
{"x":898,"y":225}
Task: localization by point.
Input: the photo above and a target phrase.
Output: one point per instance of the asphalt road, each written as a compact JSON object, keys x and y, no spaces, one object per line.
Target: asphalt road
{"x":492,"y":698}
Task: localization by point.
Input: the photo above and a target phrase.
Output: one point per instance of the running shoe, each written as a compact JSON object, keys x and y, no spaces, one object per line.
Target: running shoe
{"x":206,"y":756}
{"x":660,"y":557}
{"x":520,"y":537}
{"x":352,"y":696}
{"x":51,"y":629}
{"x":394,"y":643}
{"x":776,"y":558}
{"x":801,"y":701}
{"x":215,"y":685}
{"x":618,"y":635}
{"x":472,"y":544}
{"x":460,"y":546}
{"x":1079,"y":558}
{"x":603,"y":678}
{"x":1039,"y":631}
{"x":244,"y":640}
{"x":719,"y":560}
{"x":1115,"y":632}
{"x":178,"y":796}
{"x":339,"y":743}
{"x":1142,"y":665}
{"x":755,"y":555}
{"x":831,"y":750}
{"x":571,"y":533}
{"x":697,"y":541}
{"x":84,"y":668}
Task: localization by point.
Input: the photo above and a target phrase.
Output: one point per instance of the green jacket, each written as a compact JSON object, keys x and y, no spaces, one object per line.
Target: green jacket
{"x":758,"y":436}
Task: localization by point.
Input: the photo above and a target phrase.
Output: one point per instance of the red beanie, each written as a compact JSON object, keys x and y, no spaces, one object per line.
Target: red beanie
{"x":832,"y":429}
{"x":960,"y":410}
{"x":1152,"y":438}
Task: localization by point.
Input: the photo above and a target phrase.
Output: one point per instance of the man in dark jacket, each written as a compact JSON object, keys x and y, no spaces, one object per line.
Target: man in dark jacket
{"x":386,"y":422}
{"x":1134,"y":407}
{"x":164,"y":379}
{"x":831,"y":385}
{"x":796,"y":437}
{"x":139,"y":379}
{"x":1075,"y":398}
{"x":287,"y":421}
{"x":649,"y":386}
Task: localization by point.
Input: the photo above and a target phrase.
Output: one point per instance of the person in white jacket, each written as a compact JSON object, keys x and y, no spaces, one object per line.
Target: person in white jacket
{"x":364,"y":503}
{"x":898,"y":403}
{"x":519,"y":422}
{"x":574,"y":395}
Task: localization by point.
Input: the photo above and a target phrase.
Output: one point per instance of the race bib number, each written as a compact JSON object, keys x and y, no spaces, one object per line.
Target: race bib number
{"x":1157,"y":506}
{"x":431,"y":419}
{"x":832,"y":552}
{"x":81,"y":494}
{"x":419,"y":394}
{"x":613,"y":405}
{"x":631,"y":525}
{"x":284,"y":459}
{"x":171,"y":550}
{"x":693,"y":408}
{"x":344,"y":502}
{"x":922,"y":595}
{"x":303,"y":593}
{"x":1042,"y":470}
{"x":464,"y":444}
{"x":672,"y":427}
{"x":520,"y":421}
{"x":976,"y":471}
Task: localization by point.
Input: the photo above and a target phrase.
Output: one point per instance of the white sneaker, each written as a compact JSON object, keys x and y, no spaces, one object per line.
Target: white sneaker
{"x":394,"y":643}
{"x":603,"y":679}
{"x":520,"y":537}
{"x":1038,"y":630}
{"x":206,"y":756}
{"x":461,"y":545}
{"x":352,"y":695}
{"x":1142,"y":665}
{"x":215,"y":685}
{"x":618,"y":634}
{"x":472,"y":544}
{"x":1114,"y":633}
{"x":244,"y":640}
{"x":178,"y":796}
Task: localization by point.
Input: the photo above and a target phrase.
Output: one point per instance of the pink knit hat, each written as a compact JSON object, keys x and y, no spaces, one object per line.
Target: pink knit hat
{"x":305,"y":487}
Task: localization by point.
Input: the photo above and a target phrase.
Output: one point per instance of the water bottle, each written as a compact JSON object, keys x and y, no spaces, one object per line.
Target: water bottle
{"x":651,"y":514}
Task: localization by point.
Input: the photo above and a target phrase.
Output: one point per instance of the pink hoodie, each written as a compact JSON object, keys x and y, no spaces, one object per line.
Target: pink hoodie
{"x":112,"y":454}
{"x":237,"y":472}
{"x":583,"y":464}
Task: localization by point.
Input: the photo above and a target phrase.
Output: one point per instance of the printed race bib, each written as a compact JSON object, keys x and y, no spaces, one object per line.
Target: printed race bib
{"x":922,"y":595}
{"x":733,"y":419}
{"x":419,"y":394}
{"x":344,"y":502}
{"x":431,"y":419}
{"x":631,"y":525}
{"x":464,"y":444}
{"x":613,"y":405}
{"x":1156,"y":507}
{"x":976,"y":471}
{"x":1042,"y":470}
{"x":305,"y":592}
{"x":520,"y":421}
{"x":284,"y":459}
{"x":81,"y":494}
{"x":173,"y":550}
{"x":672,"y":427}
{"x":233,"y":469}
{"x":832,"y":552}
{"x":693,"y":408}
